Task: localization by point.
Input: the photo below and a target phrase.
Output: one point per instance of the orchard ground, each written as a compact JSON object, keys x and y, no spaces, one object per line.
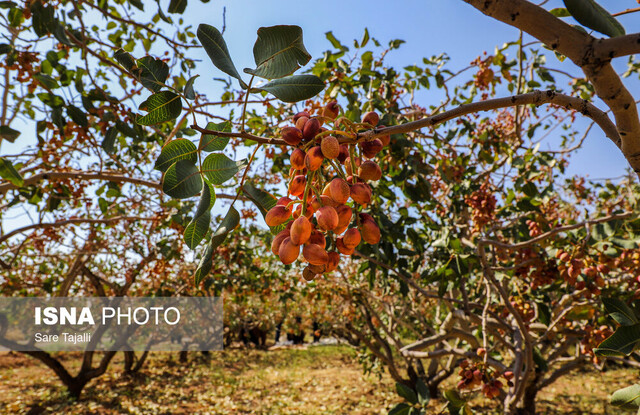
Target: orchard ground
{"x":297,"y":380}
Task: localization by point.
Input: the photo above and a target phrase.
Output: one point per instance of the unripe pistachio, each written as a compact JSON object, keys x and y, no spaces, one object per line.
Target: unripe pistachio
{"x":369,"y":171}
{"x":371,"y":118}
{"x":277,"y":215}
{"x":313,"y":160}
{"x":344,"y":153}
{"x":339,"y":191}
{"x":370,"y":232}
{"x":327,"y":218}
{"x":344,"y":215}
{"x":297,"y":159}
{"x":301,"y":122}
{"x":297,"y":185}
{"x":292,"y":135}
{"x":315,"y":254}
{"x":300,"y":231}
{"x":331,"y":110}
{"x":330,"y":147}
{"x":371,"y":148}
{"x":311,"y":129}
{"x":351,"y":238}
{"x":277,"y":241}
{"x":288,"y":252}
{"x":361,"y":194}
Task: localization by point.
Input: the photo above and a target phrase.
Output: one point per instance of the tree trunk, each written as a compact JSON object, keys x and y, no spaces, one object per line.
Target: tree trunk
{"x":528,"y":404}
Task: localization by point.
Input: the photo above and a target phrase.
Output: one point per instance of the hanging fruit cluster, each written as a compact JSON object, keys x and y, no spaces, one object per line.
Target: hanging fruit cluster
{"x":475,"y":374}
{"x":328,"y":189}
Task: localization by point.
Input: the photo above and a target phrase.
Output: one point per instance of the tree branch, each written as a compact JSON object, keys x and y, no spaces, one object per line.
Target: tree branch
{"x":531,"y":98}
{"x":82,"y":175}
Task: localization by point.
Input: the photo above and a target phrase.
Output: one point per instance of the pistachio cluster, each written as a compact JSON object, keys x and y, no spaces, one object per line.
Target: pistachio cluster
{"x":328,"y":190}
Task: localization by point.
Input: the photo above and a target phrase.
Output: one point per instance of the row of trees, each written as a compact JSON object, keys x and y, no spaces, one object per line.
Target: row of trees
{"x":491,"y":264}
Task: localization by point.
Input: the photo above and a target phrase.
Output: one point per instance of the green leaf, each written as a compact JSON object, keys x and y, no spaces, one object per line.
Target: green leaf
{"x":423,"y":392}
{"x":335,"y":42}
{"x":182,"y":180}
{"x":152,"y":73}
{"x":8,"y":172}
{"x":407,"y":393}
{"x":229,"y":223}
{"x":279,"y":51}
{"x":365,"y":38}
{"x":137,"y":4}
{"x":163,"y":106}
{"x":620,"y":311}
{"x":204,"y":267}
{"x":125,"y":59}
{"x":294,"y":88}
{"x":180,"y":149}
{"x":177,"y":6}
{"x":400,"y":409}
{"x":560,"y":12}
{"x":197,"y":229}
{"x":627,"y":398}
{"x":621,"y":343}
{"x":209,"y":142}
{"x":8,"y":133}
{"x":46,"y":81}
{"x":50,"y":99}
{"x":592,"y":15}
{"x":454,"y":398}
{"x":215,"y":46}
{"x":263,"y":200}
{"x":77,"y":116}
{"x":108,"y":144}
{"x":219,"y":168}
{"x":189,"y":93}
{"x":42,"y":18}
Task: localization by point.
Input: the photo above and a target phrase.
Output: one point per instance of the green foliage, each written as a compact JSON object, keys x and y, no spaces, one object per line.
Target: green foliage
{"x":213,"y":42}
{"x":228,"y":224}
{"x":593,"y":16}
{"x":8,"y":133}
{"x":179,"y":149}
{"x":210,"y":142}
{"x":294,"y":88}
{"x":152,"y":72}
{"x":197,"y":229}
{"x":182,"y":179}
{"x":218,"y":168}
{"x":8,"y":172}
{"x":162,"y":106}
{"x":278,"y":52}
{"x":627,"y":398}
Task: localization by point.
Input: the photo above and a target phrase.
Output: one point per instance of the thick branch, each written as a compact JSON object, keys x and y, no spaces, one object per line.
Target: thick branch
{"x":616,"y":47}
{"x":532,"y":98}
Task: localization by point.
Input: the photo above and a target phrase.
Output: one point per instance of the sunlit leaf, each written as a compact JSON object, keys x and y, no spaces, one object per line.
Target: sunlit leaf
{"x":180,"y":149}
{"x":215,"y":46}
{"x":279,"y":51}
{"x":294,"y":88}
{"x":182,"y":180}
{"x":163,"y":106}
